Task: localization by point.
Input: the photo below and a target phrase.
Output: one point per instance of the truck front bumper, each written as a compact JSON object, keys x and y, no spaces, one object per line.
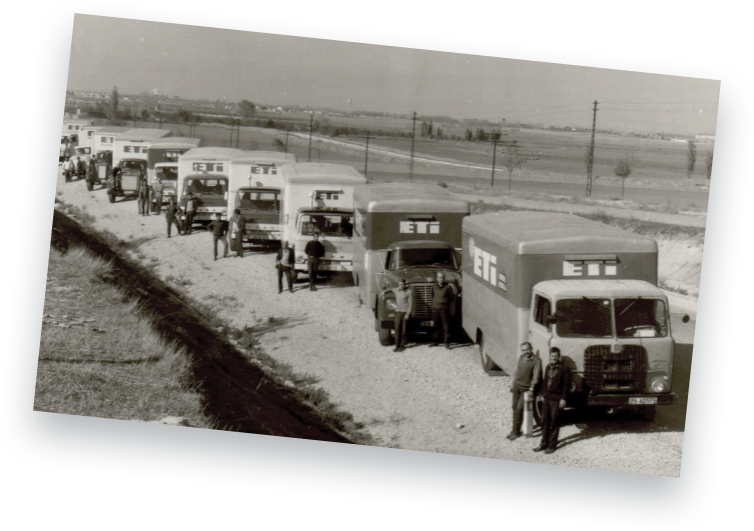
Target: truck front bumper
{"x":628,"y":399}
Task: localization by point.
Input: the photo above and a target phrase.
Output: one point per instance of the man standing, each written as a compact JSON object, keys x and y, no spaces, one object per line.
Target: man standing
{"x":143,"y":197}
{"x":314,"y":251}
{"x":219,"y":230}
{"x":80,"y":168}
{"x":443,"y":296}
{"x":555,"y":386}
{"x":526,"y":378}
{"x":404,"y":304}
{"x":172,"y":214}
{"x":284,"y":265}
{"x":240,"y":228}
{"x":158,"y":189}
{"x":191,"y":206}
{"x":68,"y":170}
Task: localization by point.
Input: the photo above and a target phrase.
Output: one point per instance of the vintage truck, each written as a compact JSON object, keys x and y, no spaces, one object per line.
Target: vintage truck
{"x":162,"y":162}
{"x":130,"y":155}
{"x":406,"y":231}
{"x":203,"y":172}
{"x":318,"y":197}
{"x":558,"y":280}
{"x":256,"y":189}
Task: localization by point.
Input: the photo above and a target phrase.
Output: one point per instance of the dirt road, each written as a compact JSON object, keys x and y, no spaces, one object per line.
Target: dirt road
{"x":424,"y":398}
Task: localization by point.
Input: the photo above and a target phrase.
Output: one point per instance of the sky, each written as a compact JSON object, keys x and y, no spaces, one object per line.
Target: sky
{"x":267,"y":69}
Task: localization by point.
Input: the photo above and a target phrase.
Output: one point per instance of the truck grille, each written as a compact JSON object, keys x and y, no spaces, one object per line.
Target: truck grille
{"x":605,"y":371}
{"x":422,"y":301}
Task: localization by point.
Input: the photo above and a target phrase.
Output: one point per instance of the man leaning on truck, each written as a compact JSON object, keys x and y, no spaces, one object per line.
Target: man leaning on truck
{"x":556,"y":383}
{"x":404,"y":303}
{"x":442,"y":297}
{"x":526,"y":378}
{"x":314,"y":251}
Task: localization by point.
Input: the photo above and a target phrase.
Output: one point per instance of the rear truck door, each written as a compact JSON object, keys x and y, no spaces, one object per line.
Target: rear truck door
{"x":540,"y":327}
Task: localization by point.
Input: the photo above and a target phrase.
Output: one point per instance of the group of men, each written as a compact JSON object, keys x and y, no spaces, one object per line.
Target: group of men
{"x":552,"y":387}
{"x":219,"y":228}
{"x":285,"y":260}
{"x":150,"y":195}
{"x":73,"y":167}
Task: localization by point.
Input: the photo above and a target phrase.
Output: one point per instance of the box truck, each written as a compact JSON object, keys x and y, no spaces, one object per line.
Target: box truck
{"x":256,"y":188}
{"x":406,"y":231}
{"x":319,"y":197}
{"x":162,"y":162}
{"x":558,"y":280}
{"x":103,"y":142}
{"x":130,"y":155}
{"x":203,"y":172}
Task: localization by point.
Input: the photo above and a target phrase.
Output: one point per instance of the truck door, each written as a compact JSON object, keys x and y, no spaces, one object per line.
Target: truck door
{"x":540,"y":328}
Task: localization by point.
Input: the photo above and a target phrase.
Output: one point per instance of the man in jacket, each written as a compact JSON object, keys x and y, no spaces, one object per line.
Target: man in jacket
{"x":284,"y":265}
{"x":68,"y":169}
{"x":143,"y":197}
{"x":314,"y":251}
{"x":239,"y":222}
{"x":527,"y":376}
{"x":556,"y":383}
{"x":404,"y":304}
{"x":172,"y":214}
{"x":443,"y":296}
{"x":191,"y":205}
{"x":158,"y":189}
{"x":219,"y":230}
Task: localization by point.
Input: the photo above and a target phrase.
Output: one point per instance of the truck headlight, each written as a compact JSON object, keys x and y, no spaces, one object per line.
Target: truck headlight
{"x":390,"y":303}
{"x":659,"y":385}
{"x":300,"y":259}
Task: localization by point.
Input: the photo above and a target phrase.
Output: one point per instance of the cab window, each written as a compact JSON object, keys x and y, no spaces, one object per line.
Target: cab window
{"x":542,"y":311}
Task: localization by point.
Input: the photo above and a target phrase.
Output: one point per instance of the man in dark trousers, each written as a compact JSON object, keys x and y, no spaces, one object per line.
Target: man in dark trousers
{"x":555,"y":386}
{"x":172,"y":216}
{"x":527,"y":376}
{"x":404,"y":304}
{"x":284,"y":264}
{"x":443,"y":296}
{"x":219,"y":230}
{"x":239,"y":224}
{"x":158,"y":189}
{"x":314,"y":251}
{"x":191,"y":205}
{"x":143,"y":197}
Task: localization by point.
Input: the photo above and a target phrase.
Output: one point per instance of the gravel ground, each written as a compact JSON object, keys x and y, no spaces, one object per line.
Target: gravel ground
{"x":427,"y":399}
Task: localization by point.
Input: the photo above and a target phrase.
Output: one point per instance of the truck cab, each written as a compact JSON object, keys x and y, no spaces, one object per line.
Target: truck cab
{"x":132,"y":171}
{"x":167,"y":173}
{"x":203,"y":172}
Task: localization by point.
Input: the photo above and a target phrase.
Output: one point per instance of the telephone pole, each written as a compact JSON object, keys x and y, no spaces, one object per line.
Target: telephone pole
{"x":311,"y":126}
{"x":287,"y":132}
{"x":590,"y":156}
{"x":495,"y":142}
{"x":366,"y":154}
{"x":411,"y":163}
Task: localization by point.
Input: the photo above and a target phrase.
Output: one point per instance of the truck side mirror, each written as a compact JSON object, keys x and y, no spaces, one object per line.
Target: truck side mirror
{"x":552,"y":319}
{"x":685,"y":318}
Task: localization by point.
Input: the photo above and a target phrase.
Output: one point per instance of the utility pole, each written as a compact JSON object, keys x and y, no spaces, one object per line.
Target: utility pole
{"x":366,"y":154}
{"x":411,"y":161}
{"x":494,"y":153}
{"x":311,"y":126}
{"x":590,"y":156}
{"x":287,"y":132}
{"x":238,"y":132}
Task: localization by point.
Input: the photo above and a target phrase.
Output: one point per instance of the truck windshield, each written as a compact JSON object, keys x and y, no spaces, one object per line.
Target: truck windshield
{"x":403,"y":258}
{"x":137,"y":165}
{"x":207,"y":186}
{"x":327,"y":224}
{"x":584,"y":317}
{"x":640,"y":317}
{"x":261,"y":201}
{"x":166,"y":174}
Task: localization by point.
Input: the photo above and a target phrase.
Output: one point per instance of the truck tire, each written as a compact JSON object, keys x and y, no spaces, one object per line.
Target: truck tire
{"x":488,"y":366}
{"x":89,"y":185}
{"x":386,"y":336}
{"x":111,"y":197}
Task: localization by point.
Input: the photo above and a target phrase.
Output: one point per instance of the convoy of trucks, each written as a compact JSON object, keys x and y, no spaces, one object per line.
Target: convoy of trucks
{"x":406,"y":231}
{"x":203,"y":172}
{"x":318,"y":198}
{"x":256,"y":189}
{"x":558,"y":280}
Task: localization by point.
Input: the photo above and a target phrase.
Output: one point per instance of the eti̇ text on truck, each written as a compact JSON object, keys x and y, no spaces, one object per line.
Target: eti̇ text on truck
{"x":558,"y":280}
{"x":406,"y":231}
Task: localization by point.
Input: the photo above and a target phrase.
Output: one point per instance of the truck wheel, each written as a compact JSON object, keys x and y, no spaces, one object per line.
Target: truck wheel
{"x":111,"y":197}
{"x":89,"y":185}
{"x":488,"y":366}
{"x":386,"y":336}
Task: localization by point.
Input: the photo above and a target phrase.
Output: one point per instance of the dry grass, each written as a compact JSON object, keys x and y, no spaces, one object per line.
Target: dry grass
{"x":100,"y":357}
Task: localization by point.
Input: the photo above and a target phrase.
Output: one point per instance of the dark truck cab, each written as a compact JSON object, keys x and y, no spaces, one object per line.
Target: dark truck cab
{"x":132,"y":171}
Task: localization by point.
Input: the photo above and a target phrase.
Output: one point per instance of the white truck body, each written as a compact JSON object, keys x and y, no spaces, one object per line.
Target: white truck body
{"x":167,"y":150}
{"x":133,"y":144}
{"x":256,"y":188}
{"x":104,"y":139}
{"x":320,"y":197}
{"x":204,"y":172}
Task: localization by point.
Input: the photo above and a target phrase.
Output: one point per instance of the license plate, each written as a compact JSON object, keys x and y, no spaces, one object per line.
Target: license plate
{"x":426,"y":323}
{"x":647,"y":400}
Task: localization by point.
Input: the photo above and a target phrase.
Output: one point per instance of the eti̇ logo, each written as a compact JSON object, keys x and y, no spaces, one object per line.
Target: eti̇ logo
{"x":264,"y":169}
{"x":420,"y":227}
{"x":211,"y":167}
{"x":580,"y":268}
{"x":107,"y":140}
{"x":484,"y":265}
{"x":134,"y":149}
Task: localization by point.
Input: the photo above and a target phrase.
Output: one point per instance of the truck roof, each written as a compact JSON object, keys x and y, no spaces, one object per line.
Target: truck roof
{"x":209,"y":153}
{"x":409,"y":197}
{"x":600,"y":288}
{"x":420,"y":244}
{"x":175,"y":142}
{"x":316,"y":172}
{"x":144,"y":134}
{"x":554,"y":233}
{"x":252,"y":157}
{"x":113,"y":129}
